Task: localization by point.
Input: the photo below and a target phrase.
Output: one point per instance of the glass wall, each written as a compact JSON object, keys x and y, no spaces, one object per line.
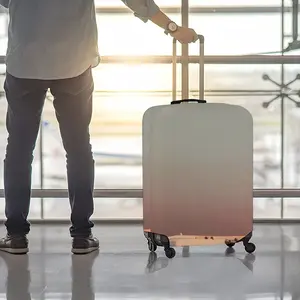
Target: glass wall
{"x":123,"y":91}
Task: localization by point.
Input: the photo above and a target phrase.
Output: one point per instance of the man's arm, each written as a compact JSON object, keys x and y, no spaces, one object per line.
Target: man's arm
{"x":148,"y":10}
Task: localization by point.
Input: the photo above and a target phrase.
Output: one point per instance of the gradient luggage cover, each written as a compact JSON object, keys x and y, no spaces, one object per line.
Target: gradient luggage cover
{"x":197,"y":172}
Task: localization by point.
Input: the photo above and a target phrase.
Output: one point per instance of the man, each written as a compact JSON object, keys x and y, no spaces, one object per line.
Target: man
{"x":52,"y":44}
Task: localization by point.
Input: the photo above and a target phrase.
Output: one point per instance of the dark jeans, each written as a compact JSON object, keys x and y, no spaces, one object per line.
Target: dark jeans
{"x":73,"y":107}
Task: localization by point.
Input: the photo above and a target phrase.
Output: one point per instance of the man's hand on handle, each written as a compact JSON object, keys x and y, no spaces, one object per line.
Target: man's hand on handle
{"x":185,"y":35}
{"x":182,"y":34}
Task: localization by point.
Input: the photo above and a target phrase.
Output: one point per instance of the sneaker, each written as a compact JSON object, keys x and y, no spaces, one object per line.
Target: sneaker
{"x":14,"y":244}
{"x":84,"y":245}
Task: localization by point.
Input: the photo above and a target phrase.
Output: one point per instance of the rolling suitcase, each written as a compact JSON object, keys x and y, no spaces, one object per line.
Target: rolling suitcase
{"x":197,"y":172}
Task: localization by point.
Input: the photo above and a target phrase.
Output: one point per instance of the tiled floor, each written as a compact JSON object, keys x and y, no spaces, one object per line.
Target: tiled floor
{"x":123,"y":269}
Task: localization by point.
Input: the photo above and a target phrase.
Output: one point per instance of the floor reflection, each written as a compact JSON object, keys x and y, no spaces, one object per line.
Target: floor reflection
{"x":18,"y":280}
{"x":156,"y":263}
{"x":82,"y":287}
{"x":18,"y":276}
{"x":124,"y":269}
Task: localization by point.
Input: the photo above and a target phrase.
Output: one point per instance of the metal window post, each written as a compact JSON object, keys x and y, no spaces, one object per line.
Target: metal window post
{"x":282,"y":115}
{"x":41,"y":168}
{"x":138,"y":193}
{"x":185,"y":51}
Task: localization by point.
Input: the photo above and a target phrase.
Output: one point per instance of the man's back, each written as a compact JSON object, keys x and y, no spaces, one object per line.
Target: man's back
{"x":51,"y":39}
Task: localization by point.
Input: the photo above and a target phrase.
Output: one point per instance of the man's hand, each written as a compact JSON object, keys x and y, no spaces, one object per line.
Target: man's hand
{"x":182,"y":34}
{"x":185,"y":35}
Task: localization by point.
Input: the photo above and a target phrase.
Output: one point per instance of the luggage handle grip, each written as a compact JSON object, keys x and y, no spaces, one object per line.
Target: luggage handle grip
{"x":187,"y":100}
{"x":201,"y":67}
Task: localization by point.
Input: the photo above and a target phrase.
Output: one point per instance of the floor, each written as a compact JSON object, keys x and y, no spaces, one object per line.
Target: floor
{"x":123,"y":268}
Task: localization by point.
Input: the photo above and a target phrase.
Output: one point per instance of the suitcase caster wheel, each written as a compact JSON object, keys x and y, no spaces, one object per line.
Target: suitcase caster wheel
{"x":170,"y":252}
{"x":229,"y":244}
{"x":152,"y":247}
{"x":250,"y":247}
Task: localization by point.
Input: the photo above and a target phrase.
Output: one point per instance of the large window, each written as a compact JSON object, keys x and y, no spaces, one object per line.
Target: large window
{"x":123,"y":91}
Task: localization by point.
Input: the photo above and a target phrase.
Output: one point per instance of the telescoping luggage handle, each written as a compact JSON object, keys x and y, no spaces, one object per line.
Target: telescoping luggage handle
{"x":201,"y":73}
